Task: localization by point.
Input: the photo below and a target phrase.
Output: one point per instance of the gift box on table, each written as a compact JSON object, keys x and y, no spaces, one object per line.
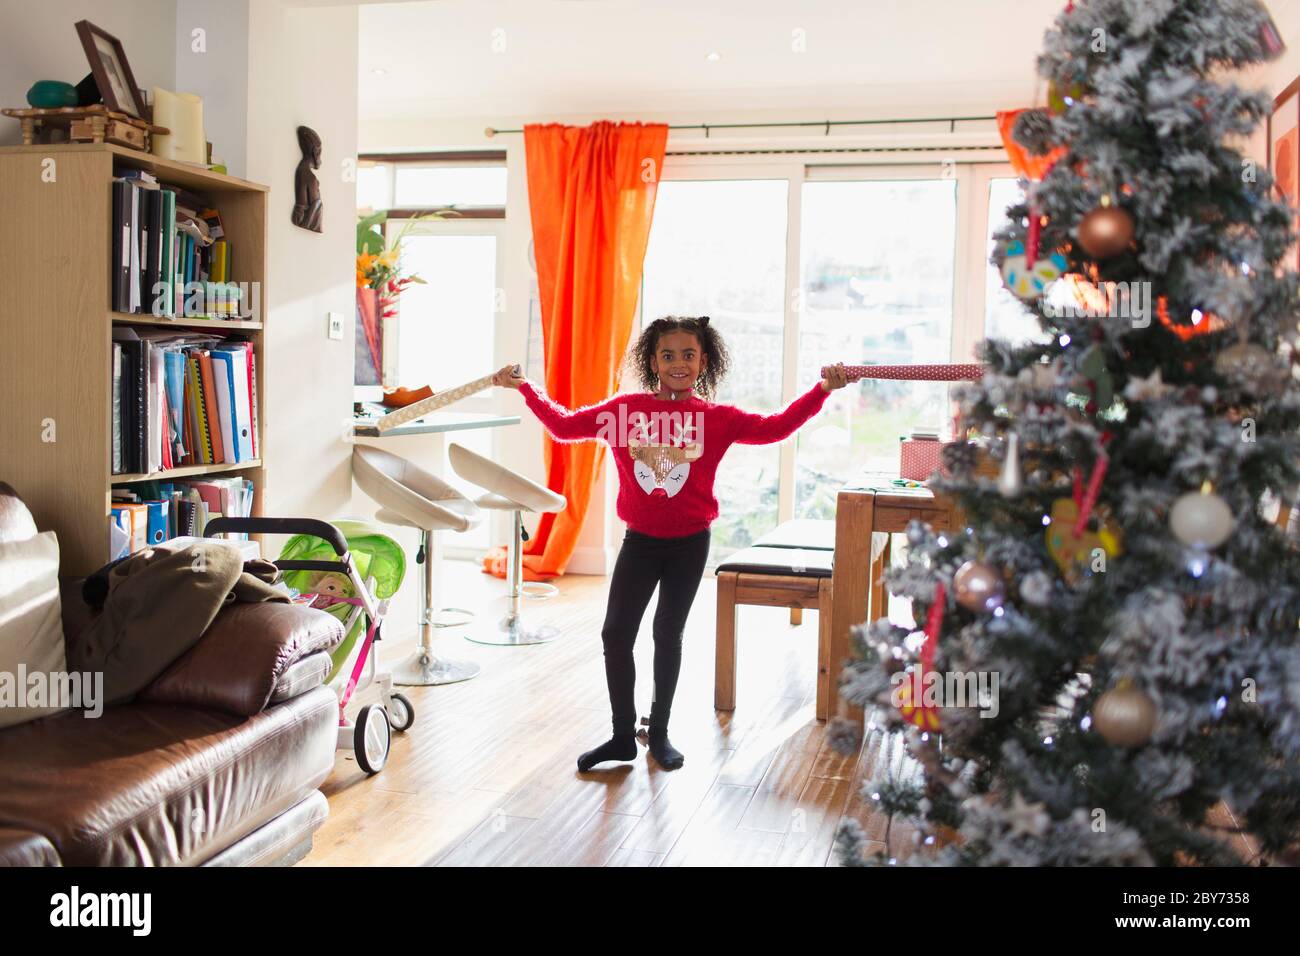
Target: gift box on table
{"x":919,"y":456}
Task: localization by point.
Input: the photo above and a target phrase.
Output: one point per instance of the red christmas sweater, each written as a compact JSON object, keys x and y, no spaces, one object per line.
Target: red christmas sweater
{"x":667,"y":452}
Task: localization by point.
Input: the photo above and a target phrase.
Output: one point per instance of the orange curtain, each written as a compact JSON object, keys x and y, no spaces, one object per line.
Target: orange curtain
{"x":591,"y":192}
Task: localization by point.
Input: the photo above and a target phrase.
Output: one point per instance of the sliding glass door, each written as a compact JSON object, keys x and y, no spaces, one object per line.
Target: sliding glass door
{"x":718,"y":248}
{"x":878,"y":271}
{"x":805,"y":265}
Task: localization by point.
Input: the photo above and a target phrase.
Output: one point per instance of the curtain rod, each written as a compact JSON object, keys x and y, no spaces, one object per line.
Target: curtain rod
{"x":808,"y":150}
{"x":952,"y":122}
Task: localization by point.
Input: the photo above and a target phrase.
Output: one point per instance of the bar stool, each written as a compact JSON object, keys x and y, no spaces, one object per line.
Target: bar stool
{"x":509,"y":491}
{"x":412,"y":497}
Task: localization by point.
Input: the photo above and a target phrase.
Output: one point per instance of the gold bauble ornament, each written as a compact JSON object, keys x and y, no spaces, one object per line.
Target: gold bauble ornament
{"x":1125,"y":715}
{"x":1061,"y":96}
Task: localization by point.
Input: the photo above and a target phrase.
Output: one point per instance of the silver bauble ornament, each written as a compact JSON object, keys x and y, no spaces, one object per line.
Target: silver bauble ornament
{"x":1201,"y":519}
{"x":978,"y":586}
{"x":1252,"y":368}
{"x":1125,"y":716}
{"x":1036,"y":588}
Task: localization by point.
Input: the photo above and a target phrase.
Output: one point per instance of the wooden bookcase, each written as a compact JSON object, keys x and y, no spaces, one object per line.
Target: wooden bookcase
{"x":56,"y":322}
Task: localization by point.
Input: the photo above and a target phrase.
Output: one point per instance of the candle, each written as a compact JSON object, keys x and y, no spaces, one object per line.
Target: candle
{"x":182,"y":114}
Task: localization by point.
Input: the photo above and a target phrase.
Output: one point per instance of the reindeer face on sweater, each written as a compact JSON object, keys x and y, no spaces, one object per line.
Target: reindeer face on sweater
{"x":662,"y":467}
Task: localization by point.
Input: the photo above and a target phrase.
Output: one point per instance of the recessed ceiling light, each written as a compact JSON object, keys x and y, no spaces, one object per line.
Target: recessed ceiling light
{"x":713,"y":57}
{"x":379,"y":71}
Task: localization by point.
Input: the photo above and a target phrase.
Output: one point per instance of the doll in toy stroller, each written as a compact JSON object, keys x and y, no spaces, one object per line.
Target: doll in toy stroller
{"x":348,"y":569}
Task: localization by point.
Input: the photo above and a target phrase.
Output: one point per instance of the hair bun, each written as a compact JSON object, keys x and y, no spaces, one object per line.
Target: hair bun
{"x":704,"y":320}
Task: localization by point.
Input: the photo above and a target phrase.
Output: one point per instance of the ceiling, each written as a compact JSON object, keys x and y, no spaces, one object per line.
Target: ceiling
{"x":447,"y":59}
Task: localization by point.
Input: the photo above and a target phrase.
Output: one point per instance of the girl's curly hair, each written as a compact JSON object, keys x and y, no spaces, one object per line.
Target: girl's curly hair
{"x":640,"y":358}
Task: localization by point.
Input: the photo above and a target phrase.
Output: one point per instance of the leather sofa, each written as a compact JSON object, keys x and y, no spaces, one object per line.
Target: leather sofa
{"x":216,"y":763}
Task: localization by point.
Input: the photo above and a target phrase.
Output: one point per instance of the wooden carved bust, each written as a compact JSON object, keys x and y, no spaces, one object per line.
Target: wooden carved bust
{"x":307,"y":204}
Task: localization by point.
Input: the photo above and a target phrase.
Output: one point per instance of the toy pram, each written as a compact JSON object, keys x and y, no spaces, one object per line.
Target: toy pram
{"x":348,"y":569}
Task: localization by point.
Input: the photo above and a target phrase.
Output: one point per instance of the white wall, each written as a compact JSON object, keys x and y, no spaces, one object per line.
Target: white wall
{"x":303,"y":71}
{"x":212,"y":61}
{"x":40,"y":43}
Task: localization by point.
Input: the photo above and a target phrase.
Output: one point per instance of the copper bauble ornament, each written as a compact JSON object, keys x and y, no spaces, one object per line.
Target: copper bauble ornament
{"x":978,"y":587}
{"x":1105,"y":232}
{"x":1125,"y":716}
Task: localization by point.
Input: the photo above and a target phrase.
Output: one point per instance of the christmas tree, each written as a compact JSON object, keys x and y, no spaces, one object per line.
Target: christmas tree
{"x":1117,"y":570}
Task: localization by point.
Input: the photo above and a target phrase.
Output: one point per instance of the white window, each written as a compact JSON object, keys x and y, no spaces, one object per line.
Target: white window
{"x":447,"y":326}
{"x":425,"y":187}
{"x":805,"y":265}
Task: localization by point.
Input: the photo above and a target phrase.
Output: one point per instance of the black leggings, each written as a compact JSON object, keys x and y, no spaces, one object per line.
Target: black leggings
{"x":676,"y":566}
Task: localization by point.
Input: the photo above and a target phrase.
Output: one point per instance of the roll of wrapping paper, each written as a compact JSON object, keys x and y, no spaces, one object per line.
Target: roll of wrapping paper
{"x":913,"y":373}
{"x":444,"y":398}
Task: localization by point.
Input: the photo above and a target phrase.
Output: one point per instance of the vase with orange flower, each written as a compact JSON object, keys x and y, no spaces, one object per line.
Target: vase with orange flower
{"x":380,"y":284}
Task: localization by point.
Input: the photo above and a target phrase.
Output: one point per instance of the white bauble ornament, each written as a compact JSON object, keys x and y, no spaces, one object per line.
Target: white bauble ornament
{"x":1201,"y":519}
{"x":1026,"y":281}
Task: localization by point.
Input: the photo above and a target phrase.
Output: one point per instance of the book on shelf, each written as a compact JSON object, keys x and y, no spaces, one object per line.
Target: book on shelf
{"x":171,"y":255}
{"x":180,"y":400}
{"x":117,"y":409}
{"x":147,"y":513}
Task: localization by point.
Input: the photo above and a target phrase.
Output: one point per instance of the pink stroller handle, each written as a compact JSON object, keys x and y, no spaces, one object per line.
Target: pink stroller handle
{"x":327,"y":600}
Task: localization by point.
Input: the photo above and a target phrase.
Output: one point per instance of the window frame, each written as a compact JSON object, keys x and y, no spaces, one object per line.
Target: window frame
{"x":428,"y":160}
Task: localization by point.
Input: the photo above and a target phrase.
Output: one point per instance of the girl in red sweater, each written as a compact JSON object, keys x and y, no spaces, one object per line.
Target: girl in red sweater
{"x":667,"y":442}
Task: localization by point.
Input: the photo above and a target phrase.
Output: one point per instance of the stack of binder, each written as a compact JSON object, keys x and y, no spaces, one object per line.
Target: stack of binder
{"x":170,"y":254}
{"x":181,"y":400}
{"x":151,"y":512}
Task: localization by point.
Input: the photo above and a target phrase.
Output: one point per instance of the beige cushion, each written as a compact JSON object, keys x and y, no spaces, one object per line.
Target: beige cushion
{"x":31,"y":625}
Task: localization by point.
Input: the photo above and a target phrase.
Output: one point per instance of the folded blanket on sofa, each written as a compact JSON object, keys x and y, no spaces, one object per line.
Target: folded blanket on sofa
{"x":156,"y":605}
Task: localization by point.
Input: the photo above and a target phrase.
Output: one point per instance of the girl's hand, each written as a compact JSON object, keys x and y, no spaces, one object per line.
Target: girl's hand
{"x":508,"y":377}
{"x":835,"y":377}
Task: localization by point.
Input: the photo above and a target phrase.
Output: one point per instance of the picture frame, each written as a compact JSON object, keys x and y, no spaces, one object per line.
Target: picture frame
{"x":1284,"y":151}
{"x":111,"y":70}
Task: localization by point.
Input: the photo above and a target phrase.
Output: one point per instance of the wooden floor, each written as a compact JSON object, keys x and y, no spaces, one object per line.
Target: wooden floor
{"x":487,"y":774}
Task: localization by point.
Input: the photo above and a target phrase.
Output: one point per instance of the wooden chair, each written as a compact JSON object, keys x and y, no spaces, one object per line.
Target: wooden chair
{"x":794,"y":578}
